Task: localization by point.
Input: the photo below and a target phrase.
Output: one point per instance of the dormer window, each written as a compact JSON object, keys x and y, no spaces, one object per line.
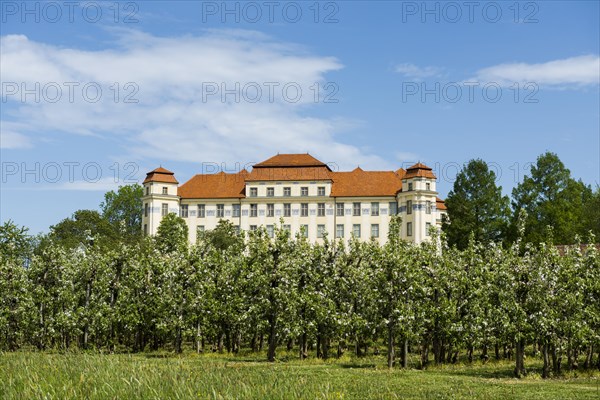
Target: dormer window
{"x":165,"y":190}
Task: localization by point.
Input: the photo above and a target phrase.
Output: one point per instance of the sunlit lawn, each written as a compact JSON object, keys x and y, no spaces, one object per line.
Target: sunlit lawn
{"x":30,"y":375}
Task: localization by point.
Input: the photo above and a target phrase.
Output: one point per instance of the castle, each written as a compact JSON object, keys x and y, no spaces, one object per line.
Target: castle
{"x":305,"y":193}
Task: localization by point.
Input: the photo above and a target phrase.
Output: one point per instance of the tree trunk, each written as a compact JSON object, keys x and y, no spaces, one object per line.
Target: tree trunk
{"x":588,"y":357}
{"x":520,"y":358}
{"x":272,"y":339}
{"x":424,"y":354}
{"x":303,"y":346}
{"x":404,"y":353}
{"x":390,"y":346}
{"x":546,"y":357}
{"x":199,"y":348}
{"x":497,"y":351}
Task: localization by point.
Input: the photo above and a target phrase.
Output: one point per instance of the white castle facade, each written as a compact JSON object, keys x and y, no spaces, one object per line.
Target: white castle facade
{"x":304,"y":193}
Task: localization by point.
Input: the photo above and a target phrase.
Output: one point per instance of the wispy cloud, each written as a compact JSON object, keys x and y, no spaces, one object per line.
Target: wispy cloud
{"x":172,"y":120}
{"x":9,"y":139}
{"x":569,"y":72}
{"x":413,"y":71}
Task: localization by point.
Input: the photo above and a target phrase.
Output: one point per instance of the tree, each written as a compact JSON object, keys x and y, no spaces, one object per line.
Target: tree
{"x":551,"y":198}
{"x":15,"y":242}
{"x":82,"y":228}
{"x":123,"y":209}
{"x":592,"y":214}
{"x":172,"y":233}
{"x":476,"y":205}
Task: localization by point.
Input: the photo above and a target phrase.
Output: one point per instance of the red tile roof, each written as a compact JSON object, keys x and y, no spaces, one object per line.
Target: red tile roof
{"x":419,"y":170}
{"x":440,"y":204}
{"x":160,"y":175}
{"x":359,"y":183}
{"x":290,"y":174}
{"x":291,"y":160}
{"x":214,"y":186}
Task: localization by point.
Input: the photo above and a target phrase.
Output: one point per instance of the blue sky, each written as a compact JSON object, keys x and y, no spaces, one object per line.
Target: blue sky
{"x":194,"y":86}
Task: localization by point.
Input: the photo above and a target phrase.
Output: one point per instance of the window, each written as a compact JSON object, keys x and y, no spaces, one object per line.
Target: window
{"x":410,"y":186}
{"x":201,"y":210}
{"x":409,"y":229}
{"x":147,"y":190}
{"x":145,"y":229}
{"x":236,"y":210}
{"x":320,"y":230}
{"x":356,"y":230}
{"x":304,"y":210}
{"x":321,"y":190}
{"x":253,"y":227}
{"x":356,"y":209}
{"x":287,"y":191}
{"x":199,"y":229}
{"x":428,"y":186}
{"x":270,"y":210}
{"x":220,"y":210}
{"x":184,"y":211}
{"x":165,"y":190}
{"x":270,"y":192}
{"x":165,"y":209}
{"x":339,"y":209}
{"x":374,"y":209}
{"x":339,"y":230}
{"x":270,"y":231}
{"x":146,"y":210}
{"x":321,"y":209}
{"x":428,"y":207}
{"x":236,"y":228}
{"x":393,"y":208}
{"x":287,"y":210}
{"x":304,"y":191}
{"x":409,"y":207}
{"x":287,"y":228}
{"x":375,"y":230}
{"x":427,"y":228}
{"x":304,"y":229}
{"x":253,"y":192}
{"x":253,"y":210}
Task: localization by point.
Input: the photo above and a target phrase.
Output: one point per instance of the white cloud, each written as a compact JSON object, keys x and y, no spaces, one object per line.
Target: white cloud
{"x":571,"y":72}
{"x":413,"y":71}
{"x":171,"y":120}
{"x":10,"y":139}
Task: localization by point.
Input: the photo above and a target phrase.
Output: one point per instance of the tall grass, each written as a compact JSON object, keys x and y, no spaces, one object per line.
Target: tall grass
{"x":31,"y":375}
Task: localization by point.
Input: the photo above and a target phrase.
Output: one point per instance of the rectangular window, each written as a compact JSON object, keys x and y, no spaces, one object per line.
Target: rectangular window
{"x":427,"y":228}
{"x":339,"y":230}
{"x":287,"y":210}
{"x":410,"y":186}
{"x":253,"y":227}
{"x":165,"y":190}
{"x":270,"y":192}
{"x":270,"y":231}
{"x":304,"y":210}
{"x":287,"y":228}
{"x":339,"y":209}
{"x":321,"y":209}
{"x":253,"y":192}
{"x":201,"y":210}
{"x":428,"y":207}
{"x":304,"y":229}
{"x":374,"y":209}
{"x":320,"y":230}
{"x":236,"y":210}
{"x":165,"y":209}
{"x":375,"y":230}
{"x":356,"y":209}
{"x":356,"y":230}
{"x":304,"y":191}
{"x":409,"y":207}
{"x":146,"y":207}
{"x":184,"y":211}
{"x":236,"y":228}
{"x":287,"y":191}
{"x":393,"y":208}
{"x":428,"y":186}
{"x":321,"y":190}
{"x":199,"y":229}
{"x":220,"y":210}
{"x":270,"y":210}
{"x":147,"y":190}
{"x":253,"y":210}
{"x":409,"y":229}
{"x":145,"y":229}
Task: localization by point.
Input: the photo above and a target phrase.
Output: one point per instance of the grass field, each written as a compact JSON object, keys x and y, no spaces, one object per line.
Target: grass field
{"x":30,"y":375}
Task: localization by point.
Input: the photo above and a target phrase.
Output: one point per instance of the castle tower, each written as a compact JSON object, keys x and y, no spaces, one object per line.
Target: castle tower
{"x":160,"y":198}
{"x":417,"y":203}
